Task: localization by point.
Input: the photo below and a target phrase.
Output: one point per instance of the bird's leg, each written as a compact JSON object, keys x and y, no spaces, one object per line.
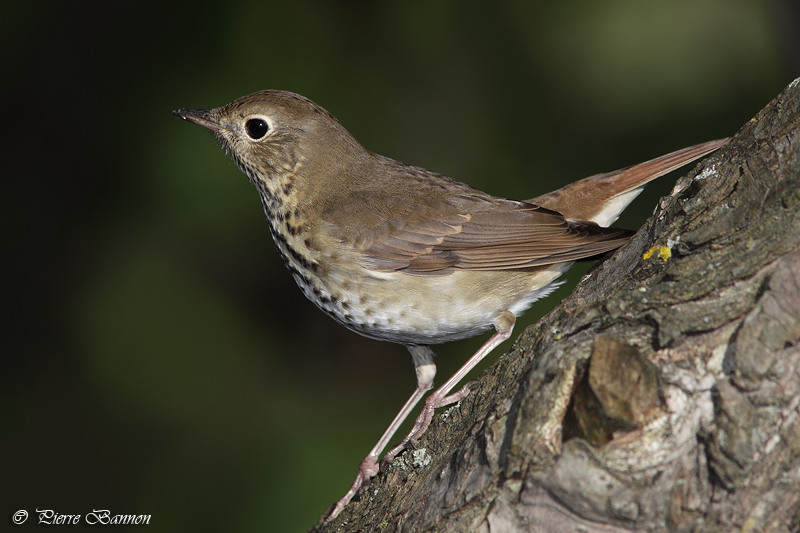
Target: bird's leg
{"x":503,"y":326}
{"x":425,"y":370}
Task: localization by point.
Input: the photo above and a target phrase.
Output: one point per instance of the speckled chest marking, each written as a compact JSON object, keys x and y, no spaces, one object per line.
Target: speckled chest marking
{"x":287,"y":226}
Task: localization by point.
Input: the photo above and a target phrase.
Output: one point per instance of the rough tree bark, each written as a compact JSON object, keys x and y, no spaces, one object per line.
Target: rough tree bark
{"x":662,"y":394}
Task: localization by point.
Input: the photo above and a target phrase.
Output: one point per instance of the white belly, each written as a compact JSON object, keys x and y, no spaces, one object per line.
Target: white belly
{"x":412,"y":309}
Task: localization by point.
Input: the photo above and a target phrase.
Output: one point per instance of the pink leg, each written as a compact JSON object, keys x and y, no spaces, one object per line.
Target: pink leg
{"x":503,"y":325}
{"x":426,"y":370}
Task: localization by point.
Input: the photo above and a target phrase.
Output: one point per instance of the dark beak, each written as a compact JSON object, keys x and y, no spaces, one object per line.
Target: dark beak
{"x":201,"y":117}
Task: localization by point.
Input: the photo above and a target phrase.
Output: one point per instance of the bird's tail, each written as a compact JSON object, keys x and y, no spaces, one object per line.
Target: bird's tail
{"x":602,"y":197}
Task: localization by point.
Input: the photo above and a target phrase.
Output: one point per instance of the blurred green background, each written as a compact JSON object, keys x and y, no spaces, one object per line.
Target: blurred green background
{"x":158,"y":358}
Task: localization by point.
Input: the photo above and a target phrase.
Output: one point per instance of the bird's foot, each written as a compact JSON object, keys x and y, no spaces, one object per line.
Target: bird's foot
{"x":433,"y":402}
{"x":366,"y":471}
{"x":369,"y":467}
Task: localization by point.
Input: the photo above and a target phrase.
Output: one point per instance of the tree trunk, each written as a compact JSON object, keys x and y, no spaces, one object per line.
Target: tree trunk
{"x":662,"y":394}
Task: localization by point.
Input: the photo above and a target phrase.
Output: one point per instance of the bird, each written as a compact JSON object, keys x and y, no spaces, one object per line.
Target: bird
{"x":399,"y":253}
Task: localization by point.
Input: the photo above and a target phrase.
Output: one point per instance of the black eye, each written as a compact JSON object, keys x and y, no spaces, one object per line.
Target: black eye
{"x":256,"y":128}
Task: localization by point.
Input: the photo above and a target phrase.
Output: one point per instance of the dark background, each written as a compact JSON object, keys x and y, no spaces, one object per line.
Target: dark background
{"x":158,"y":359}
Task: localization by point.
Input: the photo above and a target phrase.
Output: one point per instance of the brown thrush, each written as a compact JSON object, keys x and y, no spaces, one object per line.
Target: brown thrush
{"x":399,"y":253}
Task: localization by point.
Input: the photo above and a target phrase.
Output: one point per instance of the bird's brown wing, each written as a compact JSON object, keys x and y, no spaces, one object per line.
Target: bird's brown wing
{"x":468,"y":231}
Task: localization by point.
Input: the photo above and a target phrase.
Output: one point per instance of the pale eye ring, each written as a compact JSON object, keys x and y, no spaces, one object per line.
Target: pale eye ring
{"x":256,"y":128}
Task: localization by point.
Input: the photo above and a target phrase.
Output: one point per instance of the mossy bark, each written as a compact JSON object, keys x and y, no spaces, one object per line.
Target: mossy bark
{"x":663,"y":394}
